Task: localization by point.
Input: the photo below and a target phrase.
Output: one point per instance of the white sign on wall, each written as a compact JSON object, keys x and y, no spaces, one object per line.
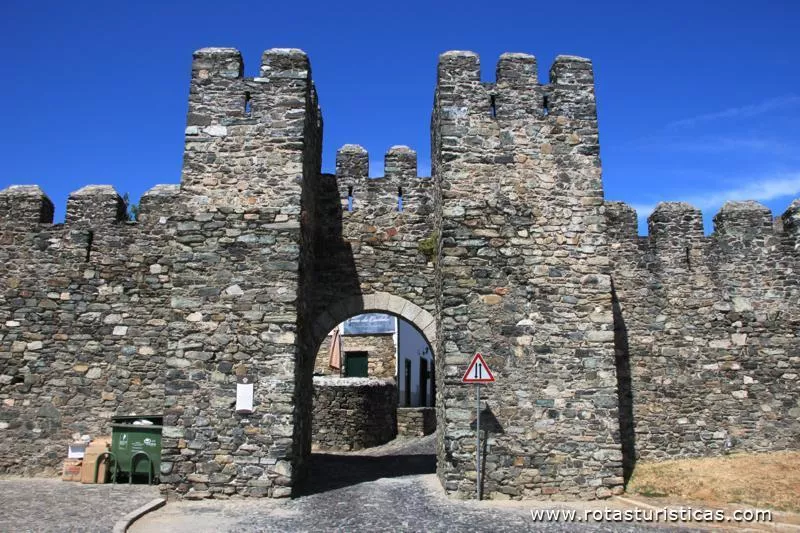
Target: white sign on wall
{"x":244,"y":396}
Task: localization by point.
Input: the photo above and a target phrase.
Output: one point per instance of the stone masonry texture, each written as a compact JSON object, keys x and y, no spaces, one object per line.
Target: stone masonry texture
{"x":353,"y":413}
{"x":607,"y":346}
{"x":416,"y":421}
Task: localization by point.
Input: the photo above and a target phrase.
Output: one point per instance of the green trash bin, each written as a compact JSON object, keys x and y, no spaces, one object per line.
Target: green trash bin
{"x":129,"y":439}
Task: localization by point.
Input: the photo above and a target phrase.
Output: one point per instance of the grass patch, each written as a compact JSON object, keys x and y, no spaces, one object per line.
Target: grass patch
{"x":769,"y":480}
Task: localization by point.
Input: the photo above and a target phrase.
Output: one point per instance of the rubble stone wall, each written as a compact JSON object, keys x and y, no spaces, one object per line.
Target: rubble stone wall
{"x":84,"y":310}
{"x":416,"y":421}
{"x":353,"y":413}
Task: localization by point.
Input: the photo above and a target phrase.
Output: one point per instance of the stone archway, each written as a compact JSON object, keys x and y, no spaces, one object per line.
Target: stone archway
{"x":382,"y":302}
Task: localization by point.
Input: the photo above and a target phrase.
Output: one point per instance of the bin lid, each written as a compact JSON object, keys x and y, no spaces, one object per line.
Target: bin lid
{"x":133,"y":426}
{"x":116,"y":418}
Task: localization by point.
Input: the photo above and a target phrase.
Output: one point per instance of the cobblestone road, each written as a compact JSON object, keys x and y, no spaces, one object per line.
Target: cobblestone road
{"x":44,"y":505}
{"x":390,"y":488}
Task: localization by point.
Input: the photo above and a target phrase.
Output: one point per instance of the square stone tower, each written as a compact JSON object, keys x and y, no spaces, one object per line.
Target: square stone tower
{"x":524,"y":278}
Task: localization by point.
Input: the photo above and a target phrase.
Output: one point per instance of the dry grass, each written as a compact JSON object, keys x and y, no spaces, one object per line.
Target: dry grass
{"x":769,"y":480}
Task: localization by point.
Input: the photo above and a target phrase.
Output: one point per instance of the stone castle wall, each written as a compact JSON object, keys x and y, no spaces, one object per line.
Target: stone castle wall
{"x":606,"y":346}
{"x":707,"y":329}
{"x":84,"y":314}
{"x":163,"y":315}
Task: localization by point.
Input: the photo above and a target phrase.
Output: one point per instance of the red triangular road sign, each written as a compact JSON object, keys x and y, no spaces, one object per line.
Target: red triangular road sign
{"x":478,"y":371}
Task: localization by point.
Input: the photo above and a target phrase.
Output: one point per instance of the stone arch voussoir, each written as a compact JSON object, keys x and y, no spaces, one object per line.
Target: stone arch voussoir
{"x":377,"y":302}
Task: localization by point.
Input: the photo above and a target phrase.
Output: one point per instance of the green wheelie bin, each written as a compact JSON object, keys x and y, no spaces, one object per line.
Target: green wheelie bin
{"x":137,"y":445}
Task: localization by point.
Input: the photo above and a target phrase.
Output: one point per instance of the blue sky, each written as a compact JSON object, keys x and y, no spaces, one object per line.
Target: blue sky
{"x":698,"y":101}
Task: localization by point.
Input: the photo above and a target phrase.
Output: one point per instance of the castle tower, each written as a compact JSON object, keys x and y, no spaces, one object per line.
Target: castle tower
{"x":524,"y":277}
{"x":244,"y":235}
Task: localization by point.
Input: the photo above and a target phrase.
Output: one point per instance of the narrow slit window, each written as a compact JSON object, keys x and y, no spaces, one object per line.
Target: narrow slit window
{"x":247,"y":103}
{"x":89,"y":243}
{"x":545,"y":105}
{"x":492,"y":107}
{"x":688,"y":259}
{"x":350,"y":198}
{"x":400,"y":199}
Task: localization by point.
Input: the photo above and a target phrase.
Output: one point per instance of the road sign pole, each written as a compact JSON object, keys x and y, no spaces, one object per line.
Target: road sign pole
{"x":478,"y":372}
{"x":478,"y":437}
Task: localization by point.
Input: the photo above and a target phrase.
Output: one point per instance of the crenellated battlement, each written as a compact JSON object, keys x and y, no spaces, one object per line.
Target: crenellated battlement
{"x":745,"y":237}
{"x":400,"y":189}
{"x":158,"y":203}
{"x":572,"y":88}
{"x":516,"y":93}
{"x":621,"y":222}
{"x":400,"y":164}
{"x":211,"y":62}
{"x":248,"y":140}
{"x":352,"y":165}
{"x":747,"y":218}
{"x":93,"y":207}
{"x":674,"y":224}
{"x":790,"y":224}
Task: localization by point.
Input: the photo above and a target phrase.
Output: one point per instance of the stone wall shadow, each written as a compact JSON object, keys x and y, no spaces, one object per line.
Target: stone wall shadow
{"x":489,"y":425}
{"x":627,"y":428}
{"x":327,"y":274}
{"x":330,"y":471}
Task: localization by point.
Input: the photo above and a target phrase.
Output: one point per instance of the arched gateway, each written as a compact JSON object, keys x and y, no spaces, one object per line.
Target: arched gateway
{"x":508,"y":250}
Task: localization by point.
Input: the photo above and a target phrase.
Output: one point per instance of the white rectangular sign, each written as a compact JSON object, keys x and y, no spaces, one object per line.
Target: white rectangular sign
{"x":244,"y":398}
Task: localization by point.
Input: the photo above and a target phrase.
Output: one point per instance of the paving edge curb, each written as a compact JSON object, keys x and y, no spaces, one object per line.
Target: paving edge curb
{"x":122,"y":525}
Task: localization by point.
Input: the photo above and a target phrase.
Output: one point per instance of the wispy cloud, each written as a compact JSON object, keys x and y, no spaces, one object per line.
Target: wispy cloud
{"x":751,"y":110}
{"x":764,"y":190}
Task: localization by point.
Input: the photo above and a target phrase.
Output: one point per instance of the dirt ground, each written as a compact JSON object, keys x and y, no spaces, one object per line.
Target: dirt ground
{"x":768,"y":480}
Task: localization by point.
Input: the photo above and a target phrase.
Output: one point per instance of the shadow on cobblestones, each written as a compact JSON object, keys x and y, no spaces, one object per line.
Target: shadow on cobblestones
{"x":333,"y":471}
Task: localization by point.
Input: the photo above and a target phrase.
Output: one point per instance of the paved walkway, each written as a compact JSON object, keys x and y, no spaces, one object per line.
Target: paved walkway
{"x":391,"y":488}
{"x":44,"y":505}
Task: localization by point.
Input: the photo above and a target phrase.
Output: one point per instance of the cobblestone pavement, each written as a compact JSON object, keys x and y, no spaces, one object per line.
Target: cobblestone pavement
{"x":390,"y":488}
{"x":43,"y":505}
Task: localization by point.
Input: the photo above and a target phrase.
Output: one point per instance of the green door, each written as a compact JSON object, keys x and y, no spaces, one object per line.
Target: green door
{"x":355,"y":365}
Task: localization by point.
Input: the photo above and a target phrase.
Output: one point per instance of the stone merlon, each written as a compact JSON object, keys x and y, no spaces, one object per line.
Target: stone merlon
{"x":95,"y":204}
{"x":212,"y":62}
{"x":25,"y":205}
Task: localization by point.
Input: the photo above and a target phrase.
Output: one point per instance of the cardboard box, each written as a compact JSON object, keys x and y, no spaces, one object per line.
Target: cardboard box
{"x":101,"y":441}
{"x":72,"y":470}
{"x":90,"y":460}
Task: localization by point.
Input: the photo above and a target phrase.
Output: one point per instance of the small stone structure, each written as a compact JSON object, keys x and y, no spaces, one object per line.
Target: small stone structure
{"x":416,"y":421}
{"x":353,"y":413}
{"x":607,"y":346}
